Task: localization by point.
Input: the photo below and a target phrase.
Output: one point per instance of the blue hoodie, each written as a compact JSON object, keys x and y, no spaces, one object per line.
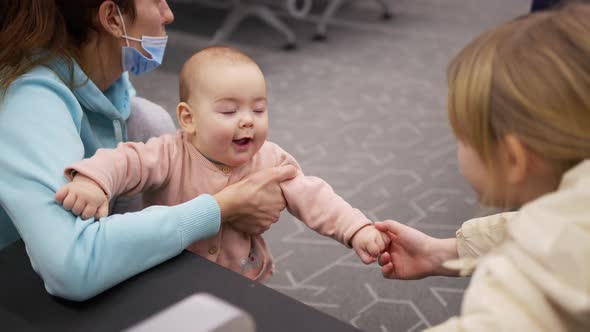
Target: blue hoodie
{"x":45,"y":126}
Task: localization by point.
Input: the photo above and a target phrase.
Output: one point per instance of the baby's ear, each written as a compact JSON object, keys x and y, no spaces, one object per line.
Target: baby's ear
{"x":186,"y":120}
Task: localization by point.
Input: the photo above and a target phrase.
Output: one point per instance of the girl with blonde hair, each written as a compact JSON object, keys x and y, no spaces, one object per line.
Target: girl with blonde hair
{"x":519,"y":105}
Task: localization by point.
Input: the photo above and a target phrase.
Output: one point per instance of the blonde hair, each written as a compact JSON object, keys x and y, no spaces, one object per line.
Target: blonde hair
{"x":529,"y":77}
{"x":189,"y":75}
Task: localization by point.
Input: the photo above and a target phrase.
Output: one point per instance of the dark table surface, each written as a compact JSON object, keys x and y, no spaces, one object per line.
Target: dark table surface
{"x":26,"y":306}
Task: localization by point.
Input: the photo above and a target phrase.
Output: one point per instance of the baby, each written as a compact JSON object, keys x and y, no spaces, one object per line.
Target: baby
{"x":224,"y":119}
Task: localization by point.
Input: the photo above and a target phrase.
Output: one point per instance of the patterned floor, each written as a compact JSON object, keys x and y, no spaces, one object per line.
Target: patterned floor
{"x":364,"y":110}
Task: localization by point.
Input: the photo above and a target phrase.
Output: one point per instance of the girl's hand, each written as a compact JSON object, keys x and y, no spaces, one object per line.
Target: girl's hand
{"x":413,"y":254}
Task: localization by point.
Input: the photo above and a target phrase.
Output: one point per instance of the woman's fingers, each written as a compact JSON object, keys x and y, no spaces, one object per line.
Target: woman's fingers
{"x":283,"y":173}
{"x":263,"y":229}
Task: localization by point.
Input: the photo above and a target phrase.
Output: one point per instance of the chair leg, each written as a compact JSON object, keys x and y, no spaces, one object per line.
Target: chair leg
{"x":387,"y":12}
{"x":233,"y":19}
{"x":241,"y":11}
{"x":268,"y":16}
{"x":327,"y":16}
{"x":334,"y":6}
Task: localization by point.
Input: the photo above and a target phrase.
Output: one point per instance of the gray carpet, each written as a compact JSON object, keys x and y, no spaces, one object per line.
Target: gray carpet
{"x":364,"y":110}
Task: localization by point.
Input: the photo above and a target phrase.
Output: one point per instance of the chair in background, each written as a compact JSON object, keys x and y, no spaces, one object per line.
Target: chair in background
{"x":331,"y":9}
{"x":263,"y":9}
{"x":538,"y":5}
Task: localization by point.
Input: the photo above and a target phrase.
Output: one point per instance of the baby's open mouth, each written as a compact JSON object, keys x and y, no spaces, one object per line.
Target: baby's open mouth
{"x":242,"y":141}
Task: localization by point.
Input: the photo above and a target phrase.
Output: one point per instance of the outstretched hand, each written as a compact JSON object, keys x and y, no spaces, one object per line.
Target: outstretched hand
{"x":368,"y":243}
{"x":413,"y":254}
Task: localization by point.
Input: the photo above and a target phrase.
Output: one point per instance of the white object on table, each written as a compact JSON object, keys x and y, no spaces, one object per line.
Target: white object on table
{"x":198,"y":313}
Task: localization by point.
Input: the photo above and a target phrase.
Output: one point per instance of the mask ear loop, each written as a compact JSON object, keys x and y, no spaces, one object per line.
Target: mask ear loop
{"x":124,"y":30}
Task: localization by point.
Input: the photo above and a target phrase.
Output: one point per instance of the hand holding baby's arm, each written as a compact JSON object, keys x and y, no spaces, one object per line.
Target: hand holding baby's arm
{"x":369,"y":243}
{"x":84,"y":197}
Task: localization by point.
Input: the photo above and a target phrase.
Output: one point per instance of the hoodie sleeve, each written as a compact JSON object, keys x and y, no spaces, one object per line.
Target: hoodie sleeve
{"x":131,"y":168}
{"x":476,"y":237}
{"x":537,"y":278}
{"x":501,"y":297}
{"x":77,"y":259}
{"x":314,"y":202}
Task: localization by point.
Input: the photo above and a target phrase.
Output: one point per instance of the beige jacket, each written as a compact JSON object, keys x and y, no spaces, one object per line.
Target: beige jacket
{"x":533,"y":269}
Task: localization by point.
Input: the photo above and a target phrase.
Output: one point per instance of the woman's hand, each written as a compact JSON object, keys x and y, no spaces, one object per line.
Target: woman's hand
{"x":255,"y":203}
{"x":413,"y":254}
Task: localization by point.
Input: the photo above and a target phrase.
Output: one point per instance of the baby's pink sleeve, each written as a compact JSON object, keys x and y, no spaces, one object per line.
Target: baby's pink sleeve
{"x":131,"y":167}
{"x":314,"y":202}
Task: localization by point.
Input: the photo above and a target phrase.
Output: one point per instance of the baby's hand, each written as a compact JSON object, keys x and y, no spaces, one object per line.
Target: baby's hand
{"x":369,"y":243}
{"x":84,"y":198}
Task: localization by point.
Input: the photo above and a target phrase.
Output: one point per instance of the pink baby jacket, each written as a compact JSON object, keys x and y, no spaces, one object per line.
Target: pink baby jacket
{"x":169,"y":170}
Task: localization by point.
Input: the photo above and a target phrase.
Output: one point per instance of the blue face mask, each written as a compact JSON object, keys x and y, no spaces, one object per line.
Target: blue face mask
{"x":137,"y":63}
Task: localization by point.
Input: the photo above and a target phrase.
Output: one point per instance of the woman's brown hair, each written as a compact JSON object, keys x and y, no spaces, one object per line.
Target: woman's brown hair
{"x":531,"y":78}
{"x":57,"y":27}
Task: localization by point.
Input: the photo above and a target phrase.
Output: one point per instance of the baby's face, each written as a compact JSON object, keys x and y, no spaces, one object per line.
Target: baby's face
{"x":230,"y":113}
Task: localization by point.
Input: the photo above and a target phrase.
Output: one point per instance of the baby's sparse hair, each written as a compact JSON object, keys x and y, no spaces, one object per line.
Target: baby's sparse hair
{"x":189,"y":75}
{"x":531,"y":78}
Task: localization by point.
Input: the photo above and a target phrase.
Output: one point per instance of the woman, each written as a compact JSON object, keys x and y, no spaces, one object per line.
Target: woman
{"x":64,"y":95}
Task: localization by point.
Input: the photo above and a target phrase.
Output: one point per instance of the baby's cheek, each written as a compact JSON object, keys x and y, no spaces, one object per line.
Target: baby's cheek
{"x":224,"y":133}
{"x":263,"y":131}
{"x":221,"y":137}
